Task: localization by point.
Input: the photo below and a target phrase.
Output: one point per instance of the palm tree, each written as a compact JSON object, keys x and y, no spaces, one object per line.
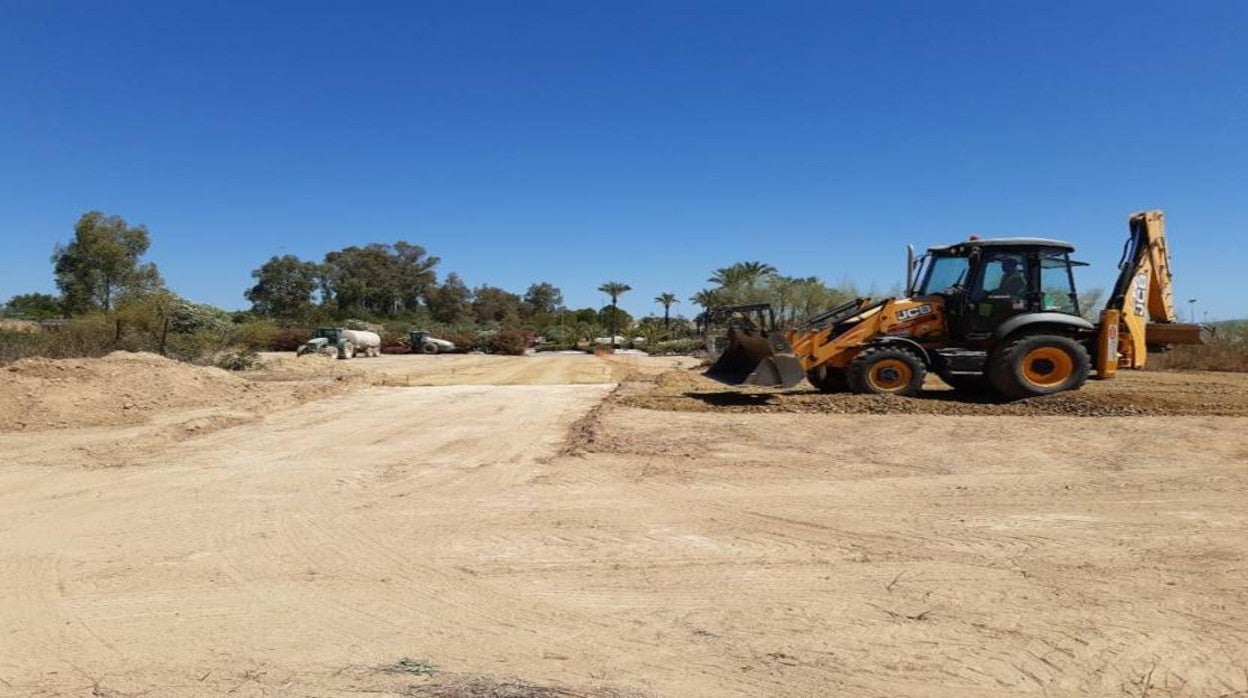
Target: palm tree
{"x":753,"y":272}
{"x":615,"y":289}
{"x":707,"y":298}
{"x":666,"y":300}
{"x":727,"y":277}
{"x":738,"y":283}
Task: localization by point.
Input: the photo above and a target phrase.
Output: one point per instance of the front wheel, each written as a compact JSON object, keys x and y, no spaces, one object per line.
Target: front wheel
{"x":1038,"y":364}
{"x":886,"y":370}
{"x":429,"y":348}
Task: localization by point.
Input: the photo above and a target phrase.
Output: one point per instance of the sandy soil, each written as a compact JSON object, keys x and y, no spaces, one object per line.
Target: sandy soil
{"x":127,"y":388}
{"x":474,"y":369}
{"x":556,"y":534}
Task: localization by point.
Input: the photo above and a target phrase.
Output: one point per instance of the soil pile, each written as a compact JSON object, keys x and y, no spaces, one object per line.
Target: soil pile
{"x":288,"y":366}
{"x":1132,"y":394}
{"x":125,"y":388}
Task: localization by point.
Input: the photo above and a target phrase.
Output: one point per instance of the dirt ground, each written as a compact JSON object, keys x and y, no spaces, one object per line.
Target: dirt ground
{"x":473,"y":369}
{"x":525,"y":527}
{"x":1132,"y":393}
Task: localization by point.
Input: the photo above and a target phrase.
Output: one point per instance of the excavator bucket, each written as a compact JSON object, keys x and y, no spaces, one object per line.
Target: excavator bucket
{"x":757,"y":358}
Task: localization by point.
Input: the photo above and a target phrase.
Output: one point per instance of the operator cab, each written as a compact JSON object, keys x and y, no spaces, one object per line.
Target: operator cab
{"x":329,"y":333}
{"x":986,"y":282}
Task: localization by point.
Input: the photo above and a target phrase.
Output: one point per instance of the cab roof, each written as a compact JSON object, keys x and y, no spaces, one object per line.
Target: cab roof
{"x":962,"y":247}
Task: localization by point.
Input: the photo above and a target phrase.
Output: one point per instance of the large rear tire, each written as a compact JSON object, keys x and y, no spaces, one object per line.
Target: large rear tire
{"x":1038,"y":364}
{"x":828,"y":379}
{"x":429,"y":348}
{"x":886,"y":371}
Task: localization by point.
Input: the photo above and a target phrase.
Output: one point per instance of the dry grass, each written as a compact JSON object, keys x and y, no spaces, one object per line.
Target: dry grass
{"x":1227,"y":352}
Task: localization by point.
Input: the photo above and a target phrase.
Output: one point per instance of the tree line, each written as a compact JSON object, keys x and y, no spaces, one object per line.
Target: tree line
{"x":102,"y":273}
{"x":103,"y":270}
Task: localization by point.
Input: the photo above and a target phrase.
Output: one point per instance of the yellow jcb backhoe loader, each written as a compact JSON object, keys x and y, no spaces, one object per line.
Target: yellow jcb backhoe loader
{"x":998,"y":315}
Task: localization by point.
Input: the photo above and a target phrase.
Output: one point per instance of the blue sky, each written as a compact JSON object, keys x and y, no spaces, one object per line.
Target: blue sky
{"x":647,"y":142}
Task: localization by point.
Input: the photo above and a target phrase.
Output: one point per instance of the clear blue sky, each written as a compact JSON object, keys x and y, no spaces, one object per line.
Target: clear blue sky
{"x":647,"y":142}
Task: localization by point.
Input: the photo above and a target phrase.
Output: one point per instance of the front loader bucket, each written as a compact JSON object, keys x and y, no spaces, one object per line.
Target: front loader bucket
{"x":754,"y":358}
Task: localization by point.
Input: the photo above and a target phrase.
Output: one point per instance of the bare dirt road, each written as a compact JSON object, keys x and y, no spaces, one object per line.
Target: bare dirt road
{"x":556,"y":533}
{"x":475,"y":369}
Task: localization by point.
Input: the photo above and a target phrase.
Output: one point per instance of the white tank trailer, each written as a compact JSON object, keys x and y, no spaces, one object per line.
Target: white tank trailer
{"x":345,"y":344}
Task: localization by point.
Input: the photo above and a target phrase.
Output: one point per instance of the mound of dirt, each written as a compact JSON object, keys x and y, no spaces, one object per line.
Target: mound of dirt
{"x":125,"y":388}
{"x":1132,"y":394}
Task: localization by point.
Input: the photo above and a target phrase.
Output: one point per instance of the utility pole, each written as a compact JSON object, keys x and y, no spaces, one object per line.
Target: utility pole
{"x":1191,"y":304}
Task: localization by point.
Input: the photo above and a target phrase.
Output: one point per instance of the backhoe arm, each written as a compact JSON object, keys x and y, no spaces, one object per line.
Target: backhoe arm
{"x":1140,"y":312}
{"x":1144,"y":276}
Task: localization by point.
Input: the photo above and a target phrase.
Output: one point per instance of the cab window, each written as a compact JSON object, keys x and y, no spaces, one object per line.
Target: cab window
{"x":1057,"y":284}
{"x":1005,"y":274}
{"x":944,"y":273}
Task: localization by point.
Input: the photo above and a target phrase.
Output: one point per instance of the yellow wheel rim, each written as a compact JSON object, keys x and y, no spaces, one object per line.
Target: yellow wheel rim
{"x":890,"y":375}
{"x":1047,"y":366}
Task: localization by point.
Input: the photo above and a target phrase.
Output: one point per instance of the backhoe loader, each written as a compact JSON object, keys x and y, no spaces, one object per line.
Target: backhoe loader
{"x":992,"y":315}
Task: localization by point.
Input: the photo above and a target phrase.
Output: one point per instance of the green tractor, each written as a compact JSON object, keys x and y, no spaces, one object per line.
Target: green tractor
{"x":344,"y":344}
{"x":424,"y":343}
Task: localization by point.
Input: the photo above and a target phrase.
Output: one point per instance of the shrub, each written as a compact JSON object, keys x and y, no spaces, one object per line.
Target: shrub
{"x":1227,"y":351}
{"x":289,"y":338}
{"x":88,"y":335}
{"x":677,"y":346}
{"x":242,"y":360}
{"x":464,"y":341}
{"x":199,"y":347}
{"x":1217,"y":356}
{"x":21,"y":345}
{"x":186,"y":317}
{"x":256,"y":335}
{"x":513,"y":343}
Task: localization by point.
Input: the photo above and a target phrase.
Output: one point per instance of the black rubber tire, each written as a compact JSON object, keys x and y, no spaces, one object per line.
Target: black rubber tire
{"x":970,"y":385}
{"x":860,"y":372}
{"x":828,"y":379}
{"x":1008,"y":370}
{"x":429,"y":348}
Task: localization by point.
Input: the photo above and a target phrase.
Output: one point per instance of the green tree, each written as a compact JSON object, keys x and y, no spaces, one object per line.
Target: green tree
{"x":103,"y":262}
{"x":586,"y":316}
{"x":615,"y":289}
{"x":494,"y":306}
{"x":542,"y":298}
{"x":450,"y":303}
{"x":707,"y":298}
{"x":379,"y":279}
{"x":666,"y":300}
{"x":780,"y":290}
{"x":740,"y":282}
{"x":284,"y":287}
{"x":33,"y":306}
{"x":617,"y":319}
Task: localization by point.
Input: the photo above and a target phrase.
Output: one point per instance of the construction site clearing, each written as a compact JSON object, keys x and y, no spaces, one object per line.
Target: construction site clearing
{"x":562,"y":525}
